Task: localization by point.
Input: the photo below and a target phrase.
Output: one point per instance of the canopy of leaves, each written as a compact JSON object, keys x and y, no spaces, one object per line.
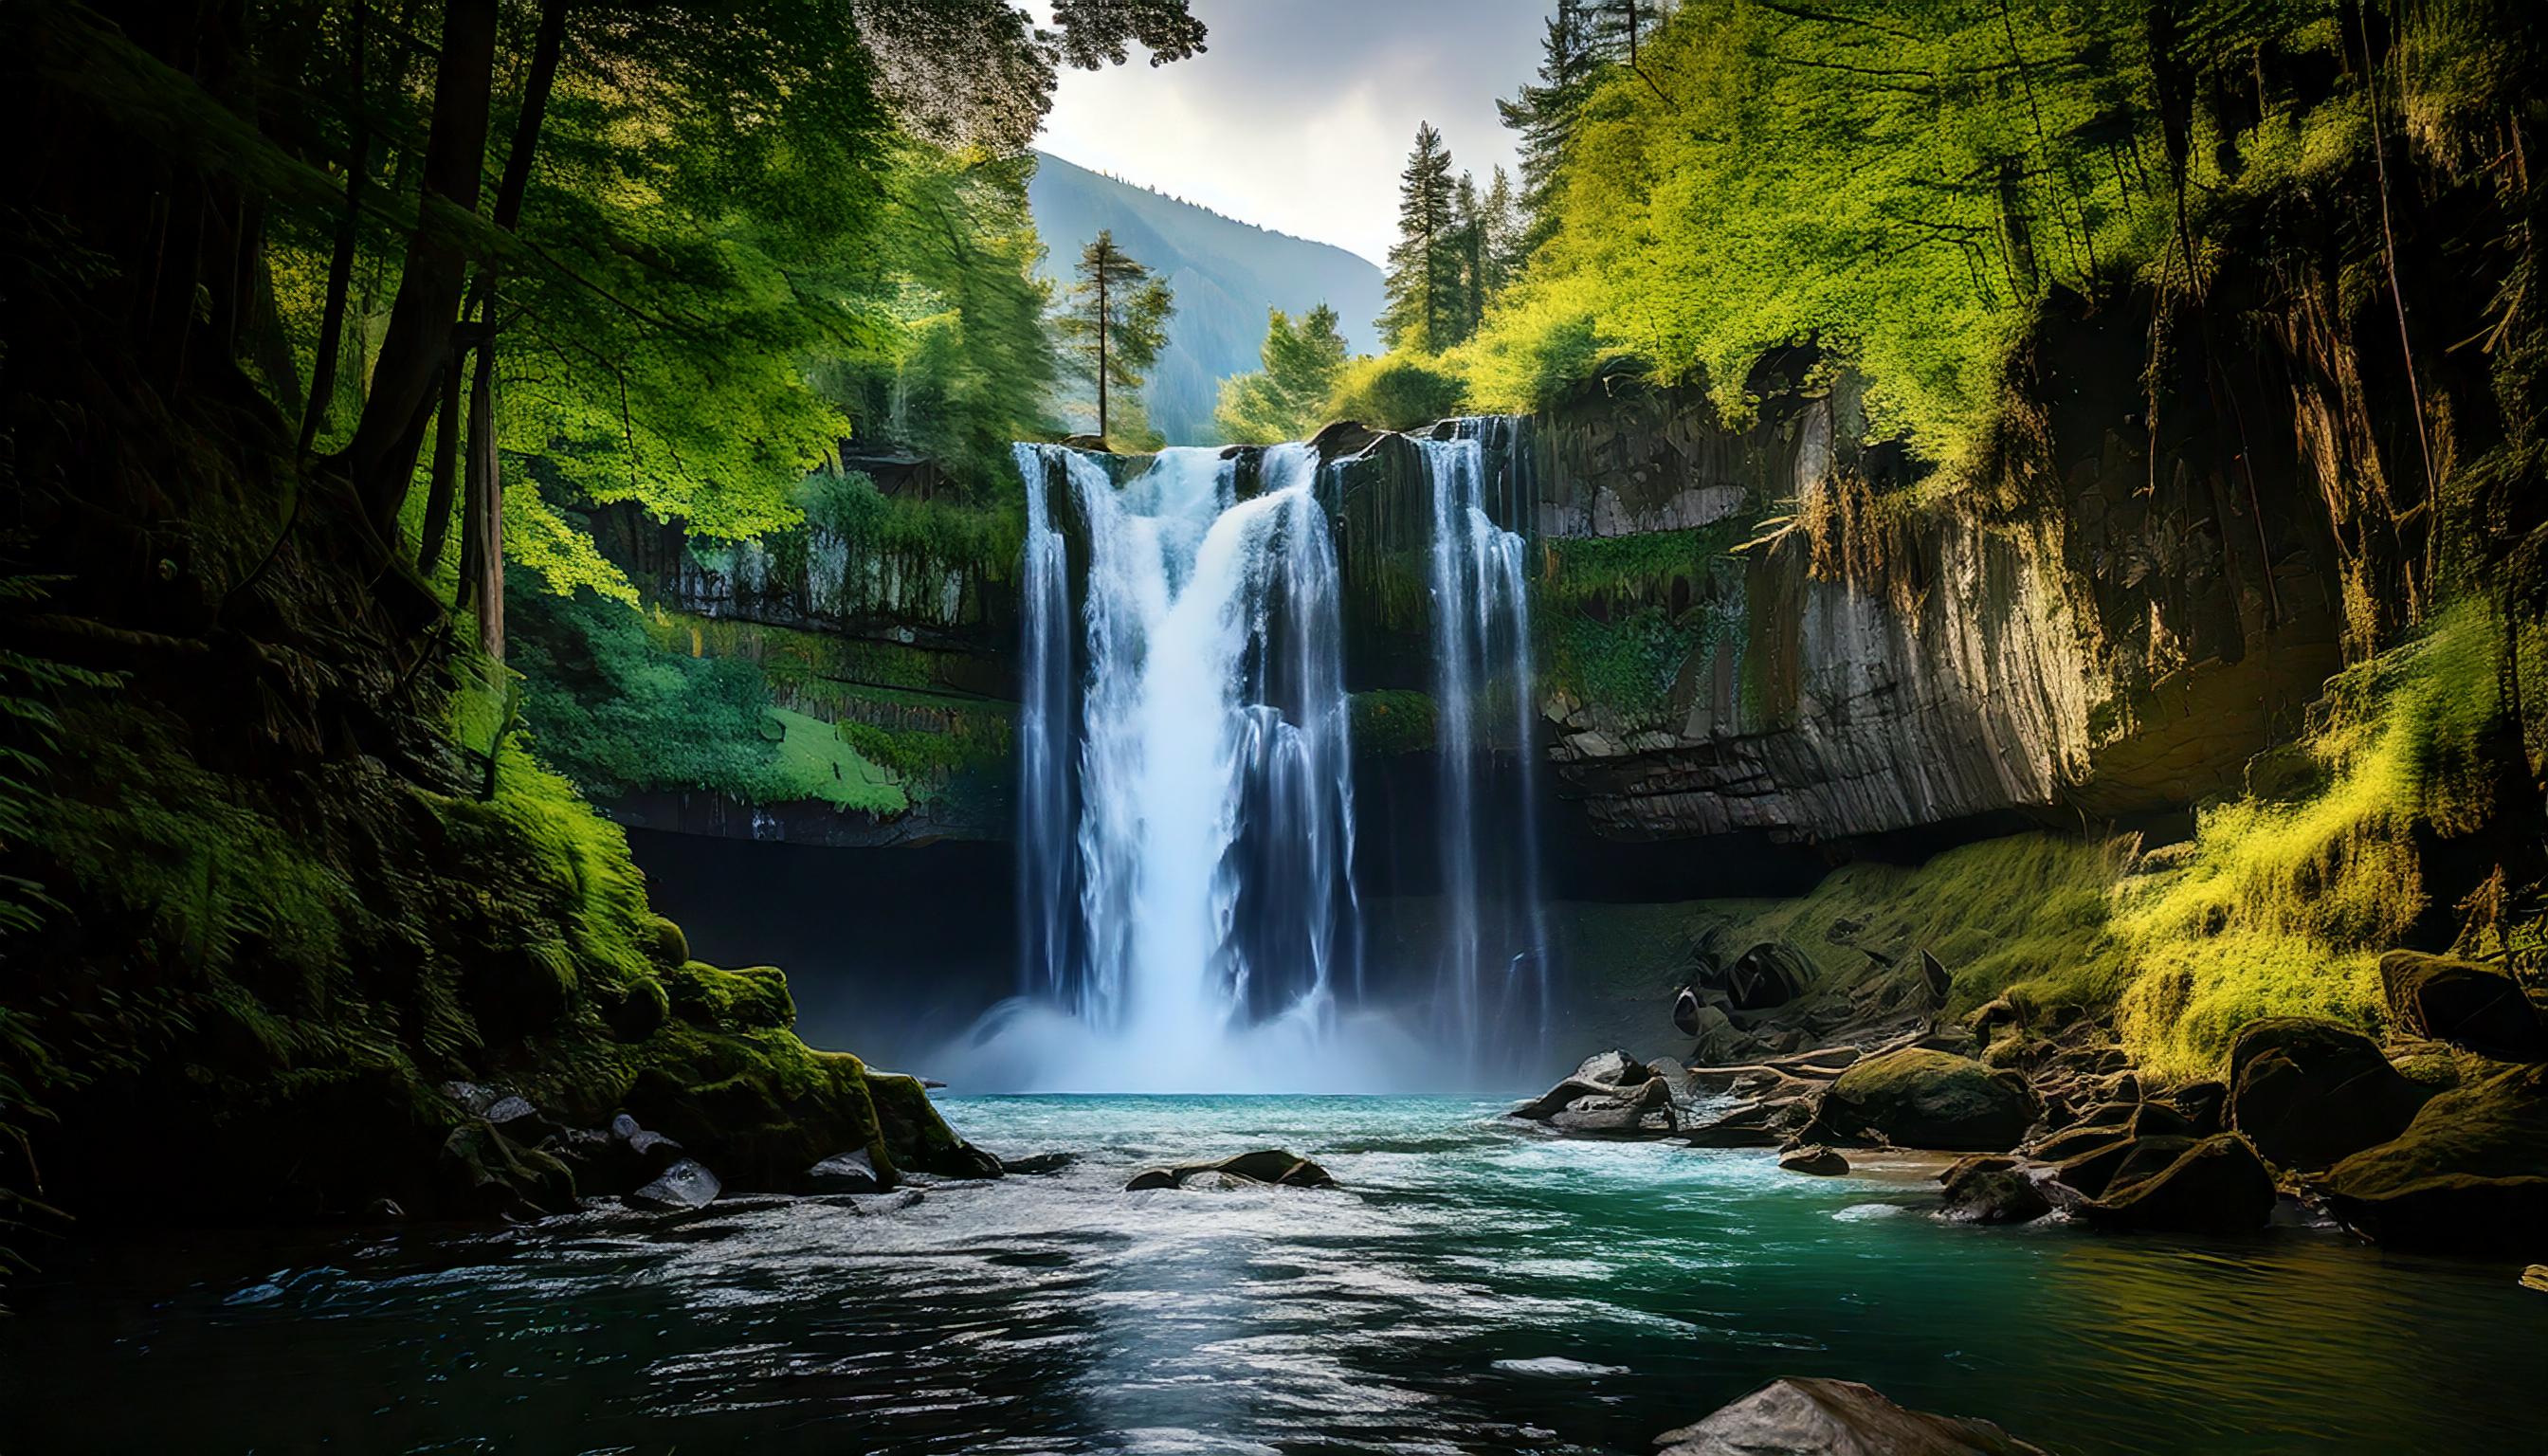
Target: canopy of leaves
{"x":1901,"y":182}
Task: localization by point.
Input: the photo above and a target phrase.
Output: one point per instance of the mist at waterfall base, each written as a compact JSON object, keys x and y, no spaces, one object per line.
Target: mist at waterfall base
{"x":1190,"y":918}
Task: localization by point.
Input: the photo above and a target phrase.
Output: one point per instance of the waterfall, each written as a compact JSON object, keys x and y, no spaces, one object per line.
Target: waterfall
{"x":1186,"y":799}
{"x":1188,"y":909}
{"x":1493,"y":997}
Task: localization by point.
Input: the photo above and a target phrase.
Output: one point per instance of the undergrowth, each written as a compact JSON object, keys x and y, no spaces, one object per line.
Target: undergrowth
{"x":2283,"y":907}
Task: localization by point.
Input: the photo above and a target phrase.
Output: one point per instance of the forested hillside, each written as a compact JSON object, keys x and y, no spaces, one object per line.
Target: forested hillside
{"x":1224,"y":273}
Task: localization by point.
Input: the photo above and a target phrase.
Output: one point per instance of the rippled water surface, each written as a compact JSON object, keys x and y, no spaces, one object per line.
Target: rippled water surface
{"x":1472,"y":1288}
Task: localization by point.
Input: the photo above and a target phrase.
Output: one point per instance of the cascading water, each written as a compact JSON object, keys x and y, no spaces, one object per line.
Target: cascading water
{"x":1185,"y":814}
{"x":1493,"y":971}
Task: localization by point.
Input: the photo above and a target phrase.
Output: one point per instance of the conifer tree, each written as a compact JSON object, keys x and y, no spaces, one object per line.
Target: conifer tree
{"x":1425,"y":271}
{"x":1114,"y":321}
{"x":1287,"y":399}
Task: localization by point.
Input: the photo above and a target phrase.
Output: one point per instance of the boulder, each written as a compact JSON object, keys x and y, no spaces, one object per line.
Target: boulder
{"x":2090,"y":1173}
{"x":496,"y":1175}
{"x":1814,"y":1158}
{"x":2308,"y":1092}
{"x":2159,"y":1120}
{"x":1611,"y":1069}
{"x":2204,"y":1104}
{"x":1934,"y":976}
{"x":1039,"y":1164}
{"x":845,"y":1172}
{"x":2468,"y":1173}
{"x":1919,"y":1098}
{"x":1834,"y":1417}
{"x":1642,"y":1111}
{"x":2464,"y":1003}
{"x":1987,"y":1194}
{"x":1271,"y":1166}
{"x":2214,"y":1186}
{"x":684,"y":1185}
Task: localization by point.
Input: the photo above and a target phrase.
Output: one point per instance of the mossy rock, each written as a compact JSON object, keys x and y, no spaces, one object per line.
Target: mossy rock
{"x":672,"y":947}
{"x":2464,"y":1003}
{"x":2468,"y":1173}
{"x":640,"y":1010}
{"x":2307,"y":1091}
{"x":759,"y":1109}
{"x":2216,"y":1185}
{"x":488,"y":1173}
{"x":751,"y":998}
{"x":1916,"y":1097}
{"x":918,"y":1136}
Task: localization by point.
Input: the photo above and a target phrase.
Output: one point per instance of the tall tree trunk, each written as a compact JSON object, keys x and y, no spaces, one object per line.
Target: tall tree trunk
{"x":1102,"y":362}
{"x":486,"y":500}
{"x":437,"y":497}
{"x":340,"y":262}
{"x":381,"y":456}
{"x":484,"y":505}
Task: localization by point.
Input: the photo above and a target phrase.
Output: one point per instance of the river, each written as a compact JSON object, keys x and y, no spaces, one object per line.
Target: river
{"x":1473,"y":1286}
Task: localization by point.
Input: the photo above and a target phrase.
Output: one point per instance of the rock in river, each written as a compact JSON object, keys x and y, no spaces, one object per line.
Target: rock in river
{"x":1272,"y":1166}
{"x":1816,"y":1159}
{"x":848,"y":1173}
{"x":2308,"y":1092}
{"x":2215,"y":1186}
{"x":684,"y":1185}
{"x":1919,"y":1098}
{"x":2468,"y":1173}
{"x":1834,"y":1417}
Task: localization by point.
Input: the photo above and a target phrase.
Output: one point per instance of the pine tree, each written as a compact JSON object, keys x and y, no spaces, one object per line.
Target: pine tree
{"x":1545,"y":113}
{"x":1425,"y":266}
{"x":1471,"y":223}
{"x":1506,"y":233}
{"x":1114,"y":321}
{"x":1287,"y":399}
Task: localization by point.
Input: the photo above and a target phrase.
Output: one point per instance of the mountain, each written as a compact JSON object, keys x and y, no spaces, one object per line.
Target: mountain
{"x":1226,"y":274}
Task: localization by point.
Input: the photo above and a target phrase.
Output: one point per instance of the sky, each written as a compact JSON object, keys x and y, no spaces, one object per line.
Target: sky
{"x":1300,"y":115}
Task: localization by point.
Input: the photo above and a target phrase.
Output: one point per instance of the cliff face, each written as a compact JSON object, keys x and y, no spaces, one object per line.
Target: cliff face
{"x":2109,"y":622}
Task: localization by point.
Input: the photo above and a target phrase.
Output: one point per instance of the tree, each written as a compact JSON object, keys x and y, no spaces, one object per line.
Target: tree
{"x":1545,"y":110}
{"x":1506,"y":233}
{"x":1287,"y":399}
{"x":1114,"y":321}
{"x":1426,"y":264}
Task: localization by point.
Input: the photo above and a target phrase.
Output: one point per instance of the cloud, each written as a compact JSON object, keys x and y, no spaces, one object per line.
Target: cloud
{"x":1300,"y":115}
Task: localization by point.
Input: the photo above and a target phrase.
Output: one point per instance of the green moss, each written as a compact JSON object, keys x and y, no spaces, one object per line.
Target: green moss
{"x":1638,"y":568}
{"x":1390,"y":721}
{"x":2280,"y":906}
{"x":1627,"y":664}
{"x":753,"y":998}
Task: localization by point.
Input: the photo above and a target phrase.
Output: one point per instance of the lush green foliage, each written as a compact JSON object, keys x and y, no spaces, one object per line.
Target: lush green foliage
{"x":614,"y":711}
{"x":1389,"y":721}
{"x":981,"y":540}
{"x":1902,"y":183}
{"x":1396,"y":391}
{"x":1288,"y":399}
{"x":2282,"y":905}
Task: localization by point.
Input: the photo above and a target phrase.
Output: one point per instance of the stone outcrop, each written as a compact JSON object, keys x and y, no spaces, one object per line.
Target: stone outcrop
{"x":2111,"y":622}
{"x":1271,"y":1167}
{"x":1834,"y":1417}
